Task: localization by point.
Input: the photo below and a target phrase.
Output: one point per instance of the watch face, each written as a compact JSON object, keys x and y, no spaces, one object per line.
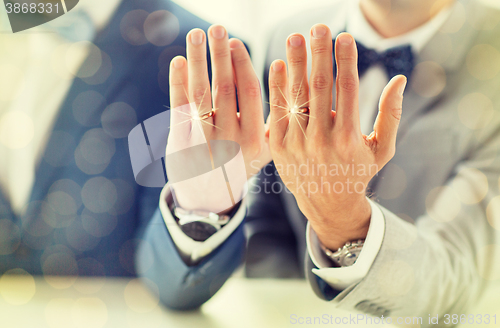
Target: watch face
{"x":349,"y":259}
{"x":198,"y":231}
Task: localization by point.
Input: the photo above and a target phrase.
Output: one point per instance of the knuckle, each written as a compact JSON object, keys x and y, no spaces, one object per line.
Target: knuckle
{"x":297,"y":90}
{"x":347,"y":58}
{"x":220,"y":53}
{"x":348,"y":83}
{"x":252,"y":89}
{"x":197,"y":60}
{"x":176,"y":83}
{"x":321,"y":82}
{"x":296,"y":61}
{"x":277,"y":102}
{"x":275,"y":87}
{"x":225,"y":89}
{"x":239,"y":58}
{"x":198,"y":94}
{"x":320,"y":50}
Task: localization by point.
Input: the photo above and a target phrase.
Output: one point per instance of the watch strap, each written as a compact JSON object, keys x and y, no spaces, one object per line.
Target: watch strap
{"x":346,"y":255}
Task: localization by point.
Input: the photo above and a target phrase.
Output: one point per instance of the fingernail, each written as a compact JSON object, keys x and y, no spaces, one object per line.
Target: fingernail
{"x":319,"y":31}
{"x":178,"y":62}
{"x":196,"y":38}
{"x":234,"y":44}
{"x":218,"y":32}
{"x":345,"y":39}
{"x":277,"y":66}
{"x":402,"y":87}
{"x":295,"y":41}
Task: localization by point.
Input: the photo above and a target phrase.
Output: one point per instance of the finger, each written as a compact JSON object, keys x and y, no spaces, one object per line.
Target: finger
{"x":179,"y":103}
{"x":387,"y":121}
{"x":223,"y":92}
{"x":321,"y":81}
{"x":199,"y":86}
{"x":278,"y":103}
{"x":298,"y":88}
{"x":347,"y":85}
{"x":178,"y":82}
{"x":249,"y":97}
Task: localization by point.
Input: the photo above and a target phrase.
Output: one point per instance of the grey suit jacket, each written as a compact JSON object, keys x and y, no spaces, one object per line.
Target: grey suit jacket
{"x":439,"y":194}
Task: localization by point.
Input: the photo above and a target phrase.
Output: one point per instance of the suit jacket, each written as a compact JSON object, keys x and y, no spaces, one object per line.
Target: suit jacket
{"x":86,"y":212}
{"x":439,"y":194}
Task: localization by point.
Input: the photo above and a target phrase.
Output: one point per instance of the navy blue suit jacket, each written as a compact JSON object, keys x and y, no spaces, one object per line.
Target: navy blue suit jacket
{"x":86,"y":212}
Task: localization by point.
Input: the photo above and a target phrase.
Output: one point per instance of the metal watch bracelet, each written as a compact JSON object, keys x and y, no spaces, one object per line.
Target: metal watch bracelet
{"x":346,"y":255}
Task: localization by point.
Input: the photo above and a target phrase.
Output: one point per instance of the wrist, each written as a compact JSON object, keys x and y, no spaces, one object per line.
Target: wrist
{"x":348,"y":223}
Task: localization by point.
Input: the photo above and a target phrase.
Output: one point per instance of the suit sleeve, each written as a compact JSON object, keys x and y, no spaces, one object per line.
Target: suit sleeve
{"x":441,"y":264}
{"x":180,"y":286}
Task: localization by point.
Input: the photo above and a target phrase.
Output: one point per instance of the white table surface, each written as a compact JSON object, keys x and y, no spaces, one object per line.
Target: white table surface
{"x":27,"y":302}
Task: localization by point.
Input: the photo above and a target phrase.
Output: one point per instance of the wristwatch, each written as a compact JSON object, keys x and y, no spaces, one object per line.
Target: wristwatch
{"x":199,"y":225}
{"x":347,"y":255}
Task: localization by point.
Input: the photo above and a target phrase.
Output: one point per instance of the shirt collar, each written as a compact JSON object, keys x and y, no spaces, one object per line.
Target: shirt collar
{"x":362,"y":31}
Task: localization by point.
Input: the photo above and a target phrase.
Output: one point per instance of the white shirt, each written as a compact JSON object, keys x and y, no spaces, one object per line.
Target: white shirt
{"x":38,"y":67}
{"x":371,"y":86}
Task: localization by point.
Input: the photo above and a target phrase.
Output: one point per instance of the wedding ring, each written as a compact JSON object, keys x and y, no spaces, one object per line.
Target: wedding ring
{"x":303,"y":110}
{"x":207,"y":115}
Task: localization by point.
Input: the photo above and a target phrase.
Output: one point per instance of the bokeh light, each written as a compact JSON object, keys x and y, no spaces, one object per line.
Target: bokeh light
{"x":99,"y":195}
{"x":493,"y":212}
{"x":470,"y":185}
{"x":132,"y":27}
{"x":442,"y":204}
{"x":94,"y":152}
{"x":118,"y":119}
{"x":17,"y":287}
{"x":92,"y":63}
{"x":483,"y":62}
{"x":16,"y":129}
{"x":161,"y":28}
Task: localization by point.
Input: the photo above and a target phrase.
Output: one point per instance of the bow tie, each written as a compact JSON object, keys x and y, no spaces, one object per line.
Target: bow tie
{"x":397,"y":60}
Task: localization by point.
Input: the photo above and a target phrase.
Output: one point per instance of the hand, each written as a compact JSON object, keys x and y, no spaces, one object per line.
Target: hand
{"x":189,"y":83}
{"x":322,"y":157}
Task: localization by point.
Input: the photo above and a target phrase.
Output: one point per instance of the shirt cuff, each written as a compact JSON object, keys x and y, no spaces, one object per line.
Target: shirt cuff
{"x":189,"y":248}
{"x":342,"y":277}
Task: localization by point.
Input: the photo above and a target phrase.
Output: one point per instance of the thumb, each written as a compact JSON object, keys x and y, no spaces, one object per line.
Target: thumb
{"x":388,"y":117}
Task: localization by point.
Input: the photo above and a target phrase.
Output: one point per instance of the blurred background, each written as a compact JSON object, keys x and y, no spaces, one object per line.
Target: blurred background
{"x":123,"y":303}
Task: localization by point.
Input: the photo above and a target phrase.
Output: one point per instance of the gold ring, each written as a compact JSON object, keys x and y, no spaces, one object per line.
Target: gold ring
{"x":303,"y":110}
{"x":207,"y":115}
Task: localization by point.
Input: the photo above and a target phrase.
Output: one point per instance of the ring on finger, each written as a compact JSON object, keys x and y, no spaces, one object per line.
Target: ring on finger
{"x":303,"y":110}
{"x":207,"y":115}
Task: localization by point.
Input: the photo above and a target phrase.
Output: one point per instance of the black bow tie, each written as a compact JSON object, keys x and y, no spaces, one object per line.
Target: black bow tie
{"x":397,"y":60}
